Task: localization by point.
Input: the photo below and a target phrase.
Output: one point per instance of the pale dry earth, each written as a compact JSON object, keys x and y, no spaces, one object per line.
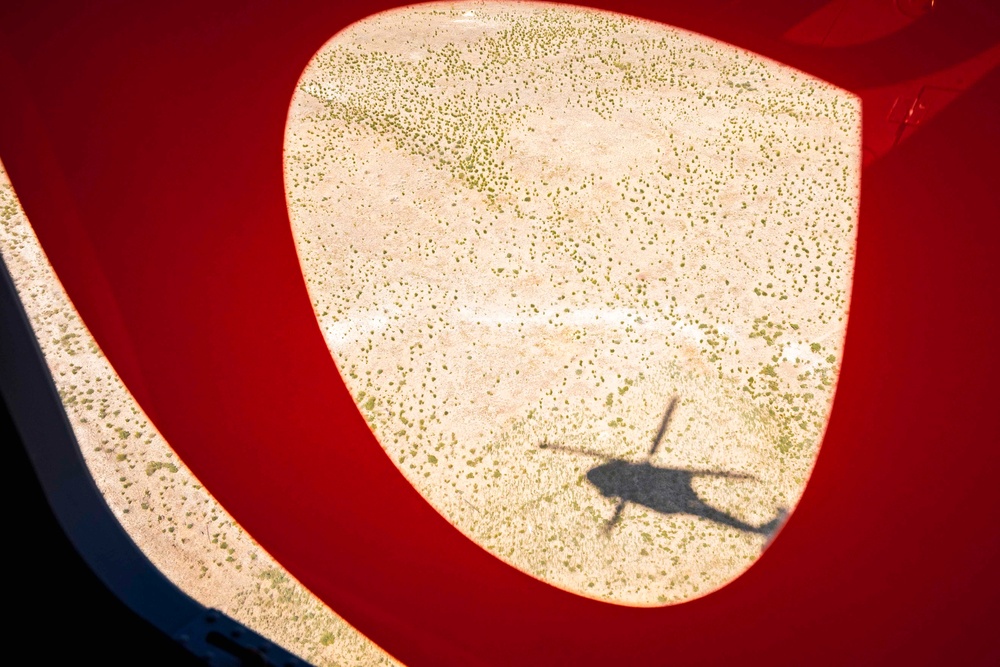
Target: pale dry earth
{"x":180,"y":527}
{"x":526,"y":224}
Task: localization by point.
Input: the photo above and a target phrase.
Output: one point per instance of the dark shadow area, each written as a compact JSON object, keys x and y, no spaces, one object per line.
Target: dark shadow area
{"x":61,"y":607}
{"x":663,"y":490}
{"x":667,"y":491}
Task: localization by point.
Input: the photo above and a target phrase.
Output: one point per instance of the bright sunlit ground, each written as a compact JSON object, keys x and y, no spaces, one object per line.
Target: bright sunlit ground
{"x":525,"y":228}
{"x":176,"y":522}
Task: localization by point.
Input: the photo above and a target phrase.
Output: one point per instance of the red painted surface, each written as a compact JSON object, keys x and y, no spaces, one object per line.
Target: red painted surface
{"x":145,"y":143}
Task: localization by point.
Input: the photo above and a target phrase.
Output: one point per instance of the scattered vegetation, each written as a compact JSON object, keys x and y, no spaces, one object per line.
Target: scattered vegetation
{"x":543,"y":221}
{"x":177,"y":524}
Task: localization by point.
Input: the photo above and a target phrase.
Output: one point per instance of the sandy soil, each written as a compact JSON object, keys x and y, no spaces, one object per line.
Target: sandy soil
{"x":173,"y":519}
{"x":524,"y":225}
{"x":527,"y":226}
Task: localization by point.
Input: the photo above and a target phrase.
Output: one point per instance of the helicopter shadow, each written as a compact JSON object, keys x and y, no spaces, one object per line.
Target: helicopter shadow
{"x":663,"y":490}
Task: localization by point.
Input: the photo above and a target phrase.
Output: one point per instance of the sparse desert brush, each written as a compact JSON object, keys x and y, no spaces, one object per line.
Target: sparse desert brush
{"x":720,"y":241}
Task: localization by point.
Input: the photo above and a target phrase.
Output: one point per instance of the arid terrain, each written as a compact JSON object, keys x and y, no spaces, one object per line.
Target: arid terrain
{"x":527,"y":228}
{"x":174,"y":520}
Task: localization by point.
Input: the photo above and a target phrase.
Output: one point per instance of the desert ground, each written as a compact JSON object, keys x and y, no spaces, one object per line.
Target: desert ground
{"x":527,"y":229}
{"x":168,"y":514}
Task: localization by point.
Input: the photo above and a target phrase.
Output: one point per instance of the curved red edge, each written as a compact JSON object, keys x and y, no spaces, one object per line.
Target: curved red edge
{"x":145,"y":141}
